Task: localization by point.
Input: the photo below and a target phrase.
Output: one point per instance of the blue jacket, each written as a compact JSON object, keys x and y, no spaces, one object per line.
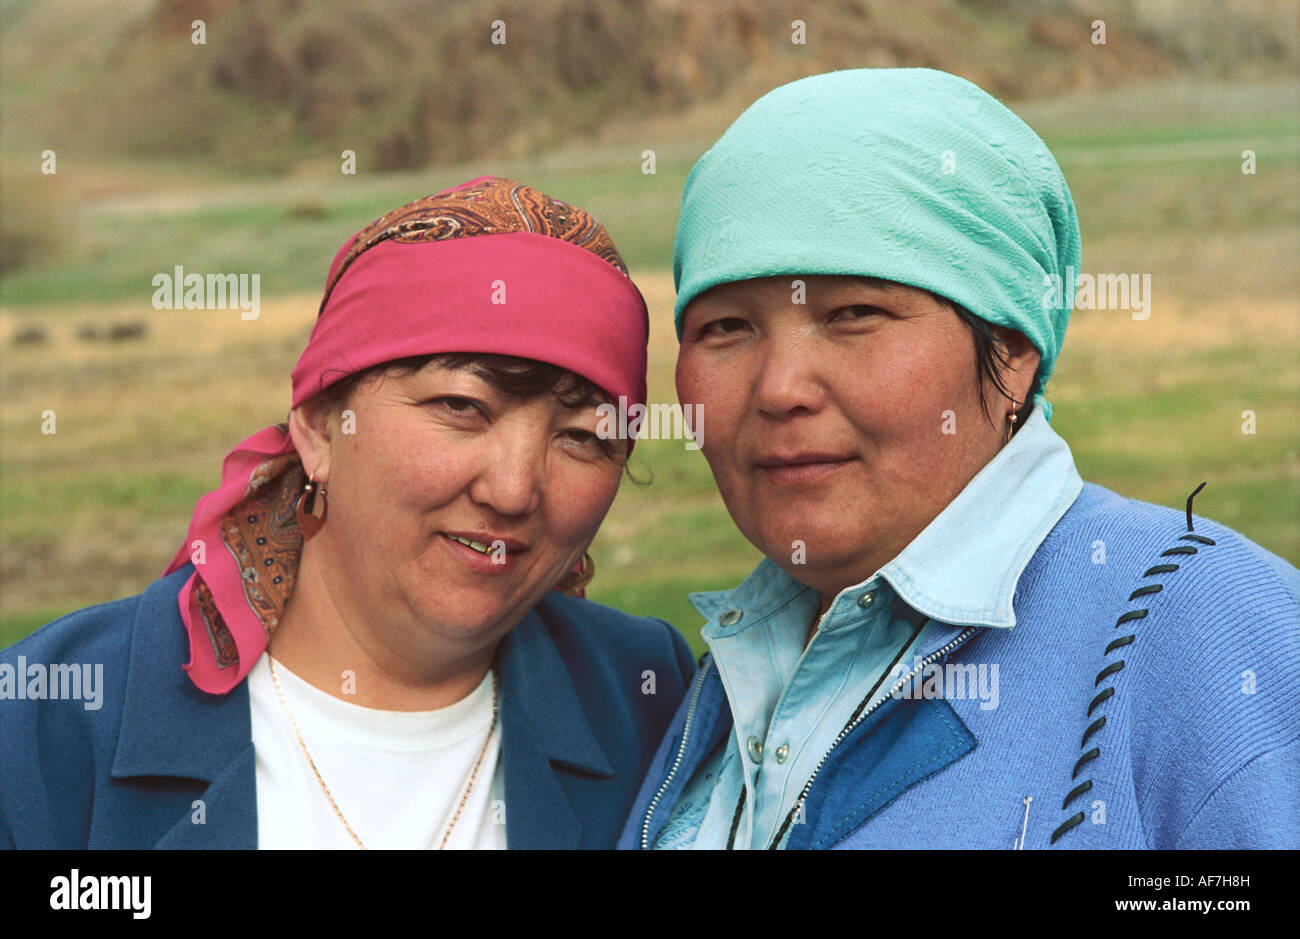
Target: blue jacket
{"x":1147,"y":700}
{"x":577,"y":730}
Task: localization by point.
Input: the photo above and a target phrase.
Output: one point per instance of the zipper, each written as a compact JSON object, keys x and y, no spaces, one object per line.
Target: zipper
{"x":681,"y":751}
{"x":848,"y":728}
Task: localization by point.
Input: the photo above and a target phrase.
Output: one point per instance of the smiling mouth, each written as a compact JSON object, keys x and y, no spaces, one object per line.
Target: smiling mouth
{"x":490,"y":543}
{"x":478,"y":546}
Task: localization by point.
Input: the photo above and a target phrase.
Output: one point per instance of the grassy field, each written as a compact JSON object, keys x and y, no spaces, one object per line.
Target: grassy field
{"x":1150,"y":407}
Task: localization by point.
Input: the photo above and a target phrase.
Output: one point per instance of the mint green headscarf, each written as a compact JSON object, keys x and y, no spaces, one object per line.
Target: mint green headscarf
{"x":911,"y":175}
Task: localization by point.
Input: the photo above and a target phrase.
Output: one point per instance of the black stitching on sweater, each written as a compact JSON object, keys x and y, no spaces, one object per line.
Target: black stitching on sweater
{"x":1076,"y":791}
{"x":1075,"y":820}
{"x":1086,"y":758}
{"x":1118,"y":643}
{"x":1101,"y":697}
{"x":1110,"y":669}
{"x":1190,"y":526}
{"x":1068,"y":824}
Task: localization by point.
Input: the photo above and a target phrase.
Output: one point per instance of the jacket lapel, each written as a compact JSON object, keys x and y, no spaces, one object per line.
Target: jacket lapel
{"x":897,"y":747}
{"x":905,"y":741}
{"x":547,"y":741}
{"x":178,"y":744}
{"x":199,"y":744}
{"x":713,"y":723}
{"x":229,"y":811}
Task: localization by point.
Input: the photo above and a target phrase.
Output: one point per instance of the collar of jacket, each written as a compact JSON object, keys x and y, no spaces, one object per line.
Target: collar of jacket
{"x":963,"y":568}
{"x":172,"y":729}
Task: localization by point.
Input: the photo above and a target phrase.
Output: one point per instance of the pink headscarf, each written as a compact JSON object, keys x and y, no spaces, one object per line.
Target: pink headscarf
{"x":547,"y":285}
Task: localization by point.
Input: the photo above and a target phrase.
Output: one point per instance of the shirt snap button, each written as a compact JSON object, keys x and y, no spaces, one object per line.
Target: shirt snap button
{"x":730,"y":617}
{"x":782,"y":752}
{"x":867,"y":599}
{"x":756,"y":749}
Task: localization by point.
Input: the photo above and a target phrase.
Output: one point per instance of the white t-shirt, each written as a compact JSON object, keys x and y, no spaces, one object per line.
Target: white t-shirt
{"x":397,"y":776}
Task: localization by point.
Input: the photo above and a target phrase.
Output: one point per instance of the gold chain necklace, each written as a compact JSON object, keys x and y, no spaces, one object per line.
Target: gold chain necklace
{"x":496,"y":700}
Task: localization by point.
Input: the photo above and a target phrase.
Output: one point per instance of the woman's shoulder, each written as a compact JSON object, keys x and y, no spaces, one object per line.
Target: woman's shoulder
{"x":1195,"y":635}
{"x":1212,"y":625}
{"x":61,"y":695}
{"x":1208,"y":608}
{"x":584,"y":628}
{"x":98,"y":631}
{"x":83,"y":655}
{"x":1109,"y":531}
{"x":1227,"y":592}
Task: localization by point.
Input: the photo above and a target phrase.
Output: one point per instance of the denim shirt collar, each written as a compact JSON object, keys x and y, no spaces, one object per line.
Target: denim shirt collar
{"x":963,"y":568}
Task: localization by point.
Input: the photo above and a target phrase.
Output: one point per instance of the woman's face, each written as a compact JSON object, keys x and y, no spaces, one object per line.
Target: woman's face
{"x":839,"y":427}
{"x":441,"y":455}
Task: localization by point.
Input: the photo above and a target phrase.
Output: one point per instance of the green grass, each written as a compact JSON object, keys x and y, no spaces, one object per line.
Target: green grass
{"x":43,"y":505}
{"x":1150,"y":409}
{"x":121,"y":249}
{"x":1232,"y":130}
{"x":20,"y":625}
{"x":1130,"y":176}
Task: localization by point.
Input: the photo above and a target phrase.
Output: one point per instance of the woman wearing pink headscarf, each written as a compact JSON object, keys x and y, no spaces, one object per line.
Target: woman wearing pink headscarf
{"x":374,"y":635}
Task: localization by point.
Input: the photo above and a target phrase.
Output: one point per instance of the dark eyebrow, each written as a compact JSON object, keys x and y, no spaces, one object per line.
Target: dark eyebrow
{"x":596,"y":400}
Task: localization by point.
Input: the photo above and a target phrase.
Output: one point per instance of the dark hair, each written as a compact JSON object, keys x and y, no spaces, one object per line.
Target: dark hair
{"x":990,"y":359}
{"x":508,"y":374}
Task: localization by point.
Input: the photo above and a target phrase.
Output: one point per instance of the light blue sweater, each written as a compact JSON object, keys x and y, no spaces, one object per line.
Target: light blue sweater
{"x":1130,"y":717}
{"x":789,"y":701}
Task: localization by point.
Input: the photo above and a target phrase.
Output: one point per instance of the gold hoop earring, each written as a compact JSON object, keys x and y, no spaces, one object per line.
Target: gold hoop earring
{"x":309,"y":523}
{"x":575,"y":582}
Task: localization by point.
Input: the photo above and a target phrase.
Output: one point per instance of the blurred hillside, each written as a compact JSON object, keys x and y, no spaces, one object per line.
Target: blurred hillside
{"x":225,"y":157}
{"x":414,"y":83}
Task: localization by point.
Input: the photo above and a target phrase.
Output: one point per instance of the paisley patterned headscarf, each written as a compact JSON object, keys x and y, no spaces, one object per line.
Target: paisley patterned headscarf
{"x":491,"y":266}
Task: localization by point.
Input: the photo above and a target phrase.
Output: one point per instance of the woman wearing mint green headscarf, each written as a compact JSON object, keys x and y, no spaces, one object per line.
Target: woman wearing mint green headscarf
{"x":953,"y":642}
